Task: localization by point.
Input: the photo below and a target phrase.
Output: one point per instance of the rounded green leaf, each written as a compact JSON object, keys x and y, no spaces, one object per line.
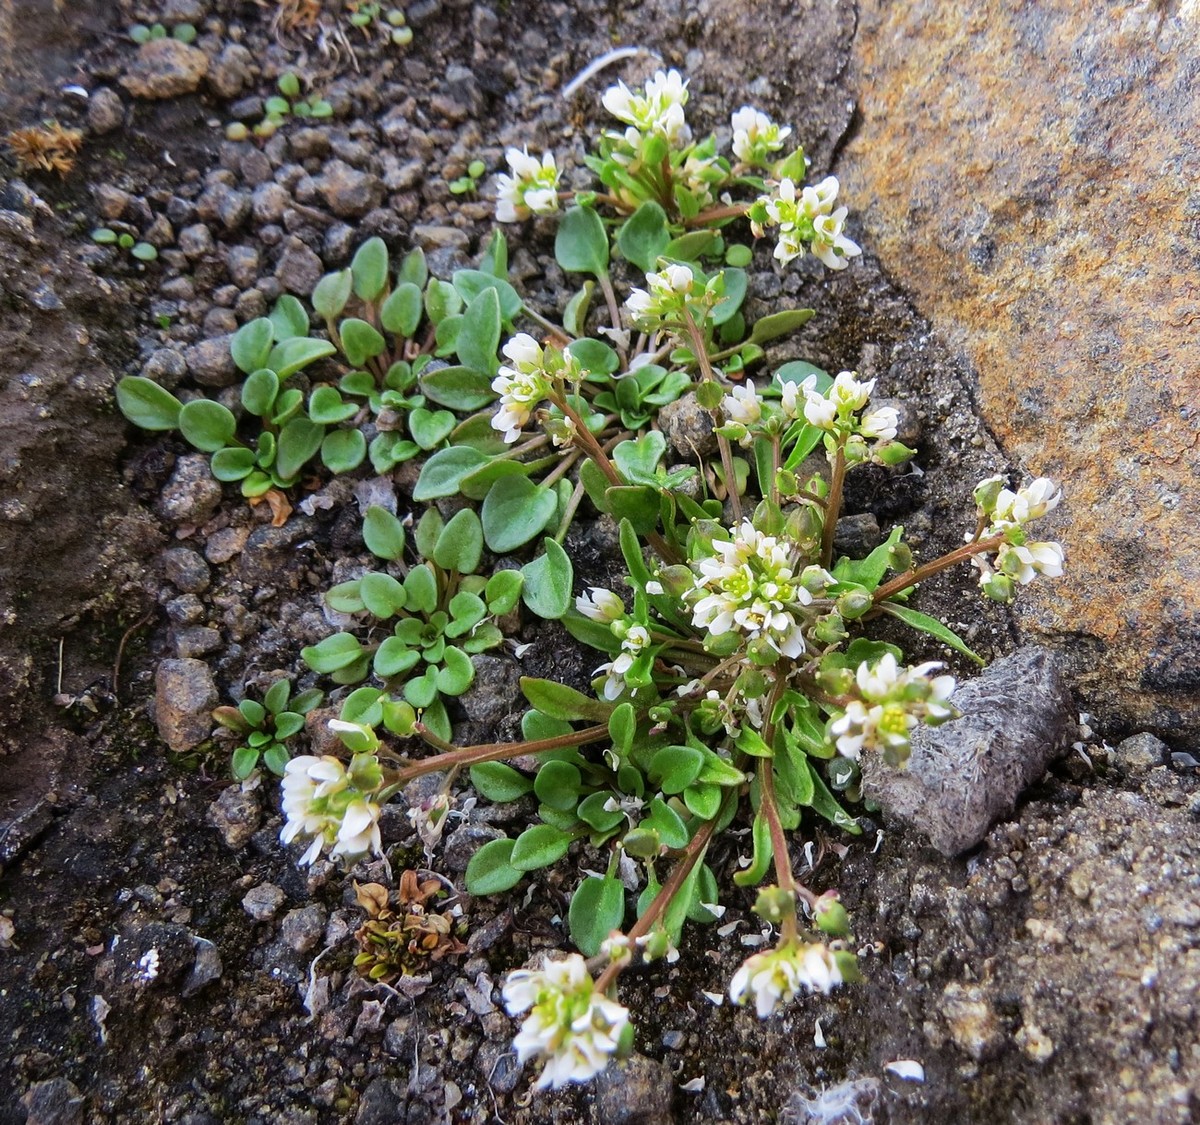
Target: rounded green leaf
{"x":548,"y":582}
{"x":383,"y":533}
{"x":593,"y":813}
{"x":442,"y":474}
{"x":470,"y":283}
{"x":144,"y":251}
{"x":667,"y":823}
{"x":557,"y":785}
{"x":243,"y":763}
{"x":597,"y":908}
{"x":466,"y":611}
{"x":422,"y":691}
{"x":420,"y":587}
{"x":259,"y":392}
{"x":292,"y":355}
{"x":287,"y":723}
{"x":299,"y":441}
{"x":345,"y":597}
{"x":369,"y":269}
{"x":539,"y":846}
{"x":286,"y":407}
{"x":514,"y":512}
{"x":459,"y":388}
{"x":441,"y":300}
{"x":644,"y":237}
{"x":331,"y":293}
{"x":394,"y":657}
{"x":234,"y":462}
{"x":499,"y":782}
{"x":343,"y":450}
{"x":581,"y":245}
{"x":460,"y":544}
{"x":413,"y":268}
{"x":360,"y":341}
{"x":595,"y":356}
{"x":479,"y":333}
{"x":401,"y":312}
{"x":502,"y":591}
{"x":674,"y":768}
{"x":490,"y":871}
{"x":457,"y":672}
{"x":207,"y":425}
{"x":251,"y":344}
{"x":148,"y":405}
{"x":277,"y":696}
{"x":253,"y":712}
{"x":289,"y":318}
{"x":333,"y":653}
{"x":381,"y":594}
{"x":430,"y":428}
{"x":327,"y":407}
{"x":276,"y":758}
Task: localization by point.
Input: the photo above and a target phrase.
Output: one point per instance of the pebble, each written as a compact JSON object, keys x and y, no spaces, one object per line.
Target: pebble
{"x":197,"y":640}
{"x":303,"y":928}
{"x":206,"y":968}
{"x":184,"y":697}
{"x":196,"y":240}
{"x":226,"y":205}
{"x":262,"y":903}
{"x":231,"y":71}
{"x":270,"y":552}
{"x":430,"y":236}
{"x":635,"y":1091}
{"x":269,"y":202}
{"x":299,"y":268}
{"x":225,"y":543}
{"x":689,"y":428}
{"x":211,"y":362}
{"x":857,"y":536}
{"x":236,"y":814}
{"x":185,"y":570}
{"x":105,"y":111}
{"x":191,"y":495}
{"x":110,"y":201}
{"x":57,"y":1101}
{"x":165,"y":68}
{"x":1141,"y":752}
{"x":165,"y":367}
{"x":971,"y":1020}
{"x":306,"y":143}
{"x":187,"y":609}
{"x":255,"y":167}
{"x":350,"y":193}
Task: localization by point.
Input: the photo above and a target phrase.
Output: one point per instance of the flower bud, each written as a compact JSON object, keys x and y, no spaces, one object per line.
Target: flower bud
{"x":830,"y":629}
{"x":999,"y":587}
{"x":987,"y":492}
{"x":854,"y":603}
{"x":641,"y":843}
{"x":775,"y":904}
{"x":830,"y":915}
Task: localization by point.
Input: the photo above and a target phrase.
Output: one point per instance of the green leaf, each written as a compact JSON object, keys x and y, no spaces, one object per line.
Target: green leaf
{"x":595,"y":355}
{"x":259,"y":392}
{"x":460,"y":544}
{"x":735,"y":294}
{"x":343,"y":450}
{"x":638,"y":505}
{"x":499,"y":782}
{"x":548,"y":582}
{"x":593,"y":813}
{"x":243,"y":763}
{"x":667,"y":823}
{"x":331,"y":293}
{"x":430,"y":428}
{"x":638,"y":459}
{"x":692,"y":246}
{"x":207,"y":425}
{"x":597,"y":908}
{"x":594,"y":633}
{"x":393,"y":658}
{"x":575,"y":314}
{"x":234,"y":462}
{"x":470,"y":283}
{"x":369,"y":269}
{"x":515,"y":511}
{"x":327,"y":407}
{"x":674,"y":768}
{"x":289,"y":319}
{"x":702,"y":800}
{"x":381,"y":595}
{"x":539,"y":846}
{"x":479,"y":333}
{"x":286,"y":407}
{"x":779,"y":324}
{"x":251,"y":344}
{"x":503,"y":590}
{"x":557,"y":785}
{"x":401,"y":312}
{"x":420,"y":588}
{"x":442,"y":300}
{"x":869,"y":572}
{"x":460,"y":388}
{"x":413,"y":269}
{"x":931,"y":625}
{"x":253,"y":712}
{"x":290,"y":356}
{"x":360,"y":341}
{"x":581,"y":245}
{"x":442,"y":474}
{"x":148,"y":405}
{"x":383,"y":533}
{"x":559,"y":701}
{"x":333,"y":653}
{"x":457,"y":673}
{"x":345,"y":597}
{"x":763,"y":853}
{"x":490,"y":871}
{"x":299,"y":442}
{"x":644,"y":237}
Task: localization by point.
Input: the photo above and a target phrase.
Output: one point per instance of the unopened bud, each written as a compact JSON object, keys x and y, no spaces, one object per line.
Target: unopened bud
{"x":854,"y":603}
{"x":774,"y":904}
{"x":999,"y":587}
{"x":987,"y":492}
{"x":830,"y":915}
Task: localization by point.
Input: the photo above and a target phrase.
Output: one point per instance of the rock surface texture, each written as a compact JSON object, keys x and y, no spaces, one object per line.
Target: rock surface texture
{"x":1027,"y":172}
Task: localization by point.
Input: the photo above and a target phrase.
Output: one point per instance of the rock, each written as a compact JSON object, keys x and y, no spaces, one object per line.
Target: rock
{"x":269,"y":557}
{"x":299,"y":268}
{"x":262,"y":902}
{"x":184,"y":11}
{"x":268,"y":203}
{"x":432,"y":237}
{"x":165,"y":68}
{"x":1017,"y":716}
{"x":689,"y":428}
{"x":856,"y":536}
{"x":165,"y":367}
{"x":191,"y":495}
{"x":231,"y":71}
{"x":206,"y":968}
{"x":236,"y":814}
{"x":226,"y":205}
{"x":196,"y":240}
{"x":242,"y":263}
{"x":57,"y":1101}
{"x":306,"y":143}
{"x":998,"y":189}
{"x":211,"y":362}
{"x":185,"y":570}
{"x":349,"y":192}
{"x":111,"y":201}
{"x":197,"y":641}
{"x":185,"y":696}
{"x":105,"y":111}
{"x":971,"y":1020}
{"x":635,"y":1091}
{"x":1141,"y":752}
{"x":303,"y":927}
{"x":493,"y":694}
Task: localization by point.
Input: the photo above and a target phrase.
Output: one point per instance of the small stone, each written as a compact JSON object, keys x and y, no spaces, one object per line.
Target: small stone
{"x":303,"y":927}
{"x":165,"y":367}
{"x":165,"y":68}
{"x":57,"y":1101}
{"x":184,"y":11}
{"x":110,"y":201}
{"x":432,"y":237}
{"x":236,"y":814}
{"x":1035,"y":1043}
{"x":197,"y":640}
{"x":185,"y":696}
{"x":1141,"y":752}
{"x":105,"y":111}
{"x":689,"y":428}
{"x":185,"y":570}
{"x":494,"y":692}
{"x":299,"y":268}
{"x":211,"y":362}
{"x":857,"y":536}
{"x":262,"y":903}
{"x":349,"y":193}
{"x":635,"y":1091}
{"x":231,"y":71}
{"x":206,"y":968}
{"x":306,"y":143}
{"x":191,"y":495}
{"x":242,"y":263}
{"x":269,"y":202}
{"x":971,"y":1021}
{"x":225,"y":544}
{"x":256,"y":167}
{"x":270,"y":555}
{"x":187,"y":609}
{"x":196,"y":241}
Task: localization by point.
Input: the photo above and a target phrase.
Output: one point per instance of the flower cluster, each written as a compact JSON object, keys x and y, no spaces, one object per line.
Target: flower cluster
{"x":839,"y":412}
{"x":667,"y":294}
{"x":751,"y":586}
{"x":574,"y":1027}
{"x":805,"y":220}
{"x":1017,"y":561}
{"x":892,"y":700}
{"x":532,"y":189}
{"x":657,"y":110}
{"x":528,"y":378}
{"x":756,"y":136}
{"x":333,"y":805}
{"x":779,"y":975}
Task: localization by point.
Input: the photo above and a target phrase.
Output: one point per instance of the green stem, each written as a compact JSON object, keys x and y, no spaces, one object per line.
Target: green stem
{"x":700,"y":347}
{"x":833,"y":504}
{"x":569,"y":514}
{"x":918,"y":574}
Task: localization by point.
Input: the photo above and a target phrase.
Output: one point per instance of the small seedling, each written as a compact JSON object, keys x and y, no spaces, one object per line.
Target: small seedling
{"x":266,"y":727}
{"x":469,"y":184}
{"x":142,"y":251}
{"x":141,"y":33}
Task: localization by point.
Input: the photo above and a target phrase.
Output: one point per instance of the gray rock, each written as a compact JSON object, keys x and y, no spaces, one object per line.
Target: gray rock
{"x":349,"y":193}
{"x":269,"y":202}
{"x":1141,"y":752}
{"x":197,"y":640}
{"x":165,"y":68}
{"x":299,"y":268}
{"x":187,"y":609}
{"x":303,"y":927}
{"x":105,"y":111}
{"x":206,"y":968}
{"x":262,"y":903}
{"x":270,"y":555}
{"x":857,"y":536}
{"x":185,"y":570}
{"x":165,"y":367}
{"x":689,"y":428}
{"x":185,"y":696}
{"x":110,"y":201}
{"x":211,"y":362}
{"x":433,"y":237}
{"x":57,"y":1101}
{"x":226,"y":205}
{"x":231,"y":71}
{"x":255,"y":167}
{"x":494,"y":694}
{"x":184,"y":11}
{"x":236,"y":814}
{"x":242,"y":263}
{"x":191,"y":495}
{"x":1017,"y":716}
{"x":635,"y":1091}
{"x":464,"y":842}
{"x":196,"y":240}
{"x":305,"y":143}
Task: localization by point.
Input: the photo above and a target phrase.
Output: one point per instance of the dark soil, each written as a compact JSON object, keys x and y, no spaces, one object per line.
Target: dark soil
{"x":1051,"y":976}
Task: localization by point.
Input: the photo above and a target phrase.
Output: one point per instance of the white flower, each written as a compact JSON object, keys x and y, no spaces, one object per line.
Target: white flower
{"x":880,"y":424}
{"x":742,"y":405}
{"x":519,"y":391}
{"x":755,"y":135}
{"x":817,"y":201}
{"x":1024,"y":563}
{"x":525,"y":353}
{"x":600,"y":605}
{"x":829,"y":244}
{"x":849,"y":391}
{"x":665,"y":295}
{"x":777,"y":976}
{"x":532,"y":189}
{"x":658,"y":109}
{"x":324,"y":800}
{"x":576,"y":1029}
{"x":359,"y":831}
{"x":1028,"y":503}
{"x":636,"y":638}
